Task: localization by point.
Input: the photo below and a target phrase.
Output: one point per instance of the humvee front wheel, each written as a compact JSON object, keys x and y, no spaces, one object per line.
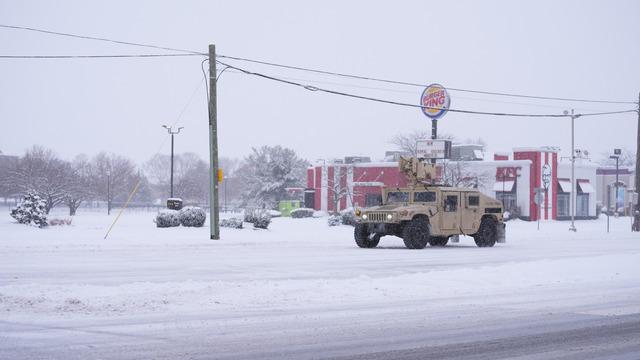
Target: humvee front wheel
{"x":363,"y":238}
{"x":438,"y":241}
{"x":487,"y":234}
{"x":416,"y":233}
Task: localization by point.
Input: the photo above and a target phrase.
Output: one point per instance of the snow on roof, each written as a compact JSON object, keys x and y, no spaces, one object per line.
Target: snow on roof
{"x":539,"y":148}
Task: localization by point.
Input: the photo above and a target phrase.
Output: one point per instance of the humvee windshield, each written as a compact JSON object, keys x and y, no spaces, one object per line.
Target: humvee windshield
{"x":397,"y":197}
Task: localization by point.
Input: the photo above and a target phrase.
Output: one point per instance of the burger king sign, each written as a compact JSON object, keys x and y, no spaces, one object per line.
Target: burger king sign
{"x":435,"y":101}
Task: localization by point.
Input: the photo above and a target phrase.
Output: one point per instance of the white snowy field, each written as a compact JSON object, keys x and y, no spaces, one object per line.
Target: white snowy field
{"x":300,"y":289}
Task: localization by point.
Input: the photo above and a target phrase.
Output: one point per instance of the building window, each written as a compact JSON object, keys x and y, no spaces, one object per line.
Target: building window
{"x":508,"y":199}
{"x":424,"y":196}
{"x":563,"y":204}
{"x":582,"y":208}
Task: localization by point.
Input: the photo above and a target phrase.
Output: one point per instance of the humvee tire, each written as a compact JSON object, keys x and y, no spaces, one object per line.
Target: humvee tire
{"x":487,"y":233}
{"x":363,"y":238}
{"x":438,"y":241}
{"x":416,"y":233}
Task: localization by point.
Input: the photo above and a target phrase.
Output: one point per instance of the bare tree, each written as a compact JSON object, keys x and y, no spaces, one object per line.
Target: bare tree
{"x":122,"y":177}
{"x":460,"y":174}
{"x":40,"y":170}
{"x":193,"y":183}
{"x":79,"y":189}
{"x":627,"y":158}
{"x":407,"y":141}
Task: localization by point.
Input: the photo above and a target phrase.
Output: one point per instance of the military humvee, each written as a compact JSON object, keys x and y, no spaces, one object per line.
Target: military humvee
{"x":424,"y":213}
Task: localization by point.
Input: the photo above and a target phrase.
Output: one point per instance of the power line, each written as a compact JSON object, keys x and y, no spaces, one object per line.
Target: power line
{"x":398,"y":103}
{"x":99,"y":39}
{"x":299,"y":68}
{"x":368,"y":78}
{"x":347,"y":85}
{"x":92,"y":56}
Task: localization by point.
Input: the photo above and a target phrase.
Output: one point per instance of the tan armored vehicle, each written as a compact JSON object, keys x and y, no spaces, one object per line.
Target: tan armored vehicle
{"x":423,"y":213}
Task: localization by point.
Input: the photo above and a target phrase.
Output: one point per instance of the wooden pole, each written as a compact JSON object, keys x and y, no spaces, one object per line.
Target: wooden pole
{"x":214,"y":216}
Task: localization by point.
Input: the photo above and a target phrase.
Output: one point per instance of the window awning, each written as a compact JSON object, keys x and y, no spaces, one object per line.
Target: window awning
{"x":565,"y":185}
{"x":506,"y":186}
{"x":586,"y":187}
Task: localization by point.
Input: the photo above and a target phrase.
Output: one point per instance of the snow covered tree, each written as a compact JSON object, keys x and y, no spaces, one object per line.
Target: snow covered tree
{"x":31,"y":210}
{"x":267,"y":172}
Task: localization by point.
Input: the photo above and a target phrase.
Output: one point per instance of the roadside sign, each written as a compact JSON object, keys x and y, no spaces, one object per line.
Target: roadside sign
{"x":538,"y":197}
{"x":433,"y":149}
{"x":435,"y":101}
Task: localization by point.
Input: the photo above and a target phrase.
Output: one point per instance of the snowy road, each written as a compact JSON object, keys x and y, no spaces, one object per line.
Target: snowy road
{"x":303,"y":290}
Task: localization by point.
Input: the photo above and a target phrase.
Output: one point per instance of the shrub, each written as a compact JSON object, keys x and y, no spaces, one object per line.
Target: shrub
{"x":302,"y":213}
{"x":249,"y":215}
{"x":348,"y":217}
{"x":192,"y":216}
{"x":234,"y":223}
{"x":31,"y":210}
{"x":56,"y":222}
{"x":334,"y":220}
{"x":262,"y":219}
{"x":167,"y":218}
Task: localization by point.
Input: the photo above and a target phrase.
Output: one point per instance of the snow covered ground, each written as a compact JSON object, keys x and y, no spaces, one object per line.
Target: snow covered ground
{"x":302,"y":289}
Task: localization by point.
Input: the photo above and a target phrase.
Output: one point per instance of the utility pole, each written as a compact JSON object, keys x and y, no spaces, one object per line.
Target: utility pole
{"x":434,"y":133}
{"x":170,"y":130}
{"x":214,"y":216}
{"x":636,"y":215}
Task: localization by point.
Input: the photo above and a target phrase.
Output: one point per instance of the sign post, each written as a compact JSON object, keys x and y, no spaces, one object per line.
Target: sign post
{"x":537,"y":199}
{"x":546,"y":181}
{"x":435,"y":103}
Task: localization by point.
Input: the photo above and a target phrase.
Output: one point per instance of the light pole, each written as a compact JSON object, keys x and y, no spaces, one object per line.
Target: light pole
{"x":573,"y":166}
{"x":170,"y":131}
{"x":108,"y":192}
{"x":616,"y":156}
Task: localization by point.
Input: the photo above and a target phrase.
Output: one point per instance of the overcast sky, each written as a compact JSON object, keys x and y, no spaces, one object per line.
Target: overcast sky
{"x":577,"y":49}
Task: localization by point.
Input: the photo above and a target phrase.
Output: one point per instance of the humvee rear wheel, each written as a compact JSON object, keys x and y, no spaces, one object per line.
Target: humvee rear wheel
{"x":438,"y":241}
{"x":487,"y":234}
{"x":363,"y":238}
{"x":416,"y":233}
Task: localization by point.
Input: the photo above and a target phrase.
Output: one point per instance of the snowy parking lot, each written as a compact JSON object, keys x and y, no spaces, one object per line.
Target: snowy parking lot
{"x":302,"y":289}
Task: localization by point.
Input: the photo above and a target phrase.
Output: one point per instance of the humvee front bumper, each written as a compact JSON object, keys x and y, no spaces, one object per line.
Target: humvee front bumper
{"x":502,"y":233}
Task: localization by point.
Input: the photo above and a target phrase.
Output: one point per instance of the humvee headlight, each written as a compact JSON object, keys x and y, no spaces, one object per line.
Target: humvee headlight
{"x":389,"y":217}
{"x":364,"y":217}
{"x":358,"y":212}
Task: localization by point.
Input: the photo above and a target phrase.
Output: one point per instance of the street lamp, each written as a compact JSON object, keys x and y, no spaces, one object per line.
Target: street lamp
{"x":573,"y":165}
{"x":170,"y":131}
{"x":108,"y":192}
{"x":616,"y":155}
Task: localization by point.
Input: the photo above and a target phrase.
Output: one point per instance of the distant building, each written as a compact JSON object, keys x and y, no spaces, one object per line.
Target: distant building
{"x":608,"y":200}
{"x":512,"y":181}
{"x":467,"y":152}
